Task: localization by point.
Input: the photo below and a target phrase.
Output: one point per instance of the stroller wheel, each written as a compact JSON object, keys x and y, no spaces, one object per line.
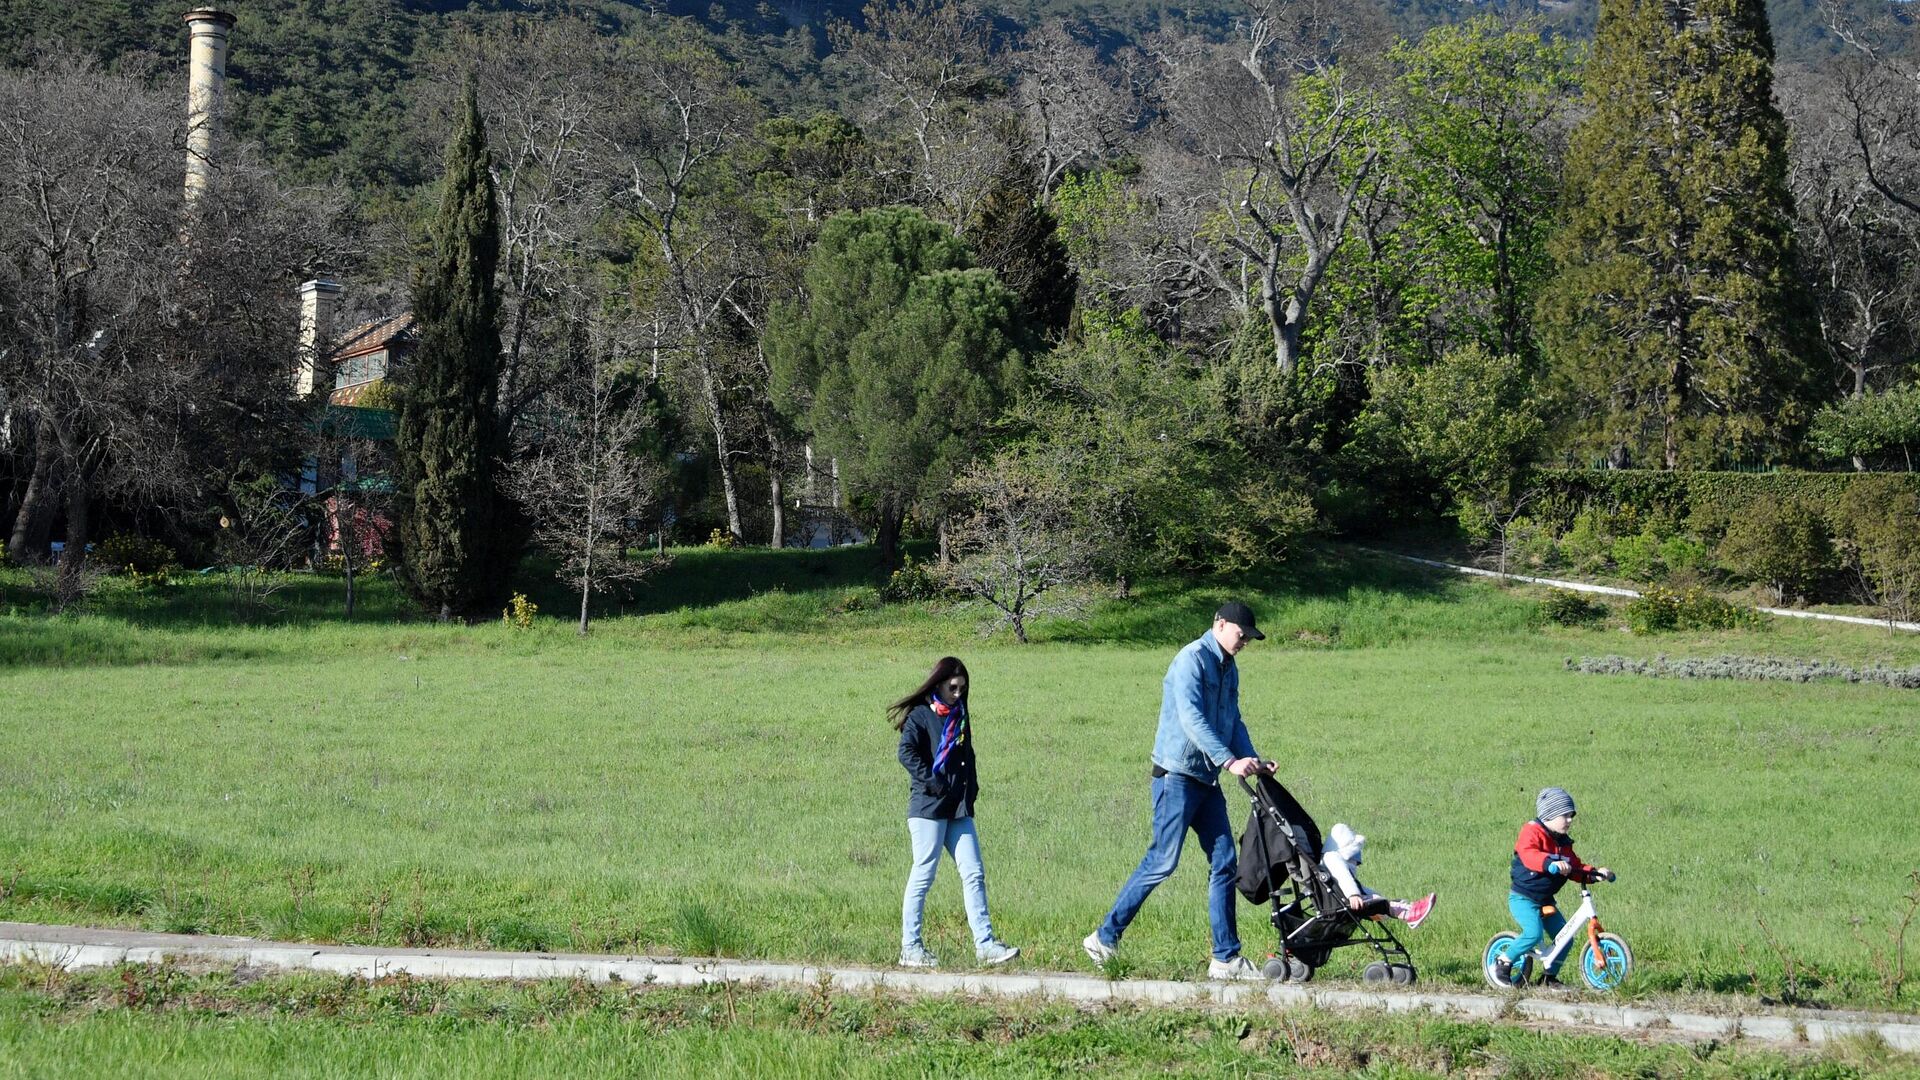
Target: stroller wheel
{"x":1376,"y":972}
{"x":1275,"y":969}
{"x":1297,"y":970}
{"x":1402,"y":974}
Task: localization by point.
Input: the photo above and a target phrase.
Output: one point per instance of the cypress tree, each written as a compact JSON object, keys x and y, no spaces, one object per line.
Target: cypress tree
{"x":455,"y":536}
{"x":1675,"y":315}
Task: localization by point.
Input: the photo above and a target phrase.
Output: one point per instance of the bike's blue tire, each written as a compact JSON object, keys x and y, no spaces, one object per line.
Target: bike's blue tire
{"x":1614,"y":965}
{"x":1492,"y":951}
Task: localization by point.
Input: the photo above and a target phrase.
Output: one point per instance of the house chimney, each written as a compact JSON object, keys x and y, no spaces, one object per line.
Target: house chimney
{"x":318,"y":299}
{"x":206,"y":79}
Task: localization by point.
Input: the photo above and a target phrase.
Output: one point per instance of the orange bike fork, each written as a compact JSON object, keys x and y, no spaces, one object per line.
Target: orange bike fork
{"x":1593,"y":942}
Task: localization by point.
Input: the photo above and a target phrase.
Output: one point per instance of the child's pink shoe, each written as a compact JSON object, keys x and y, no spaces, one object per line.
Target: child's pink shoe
{"x":1417,"y":913}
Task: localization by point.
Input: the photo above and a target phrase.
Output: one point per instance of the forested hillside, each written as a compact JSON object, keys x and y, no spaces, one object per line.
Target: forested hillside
{"x":331,"y":88}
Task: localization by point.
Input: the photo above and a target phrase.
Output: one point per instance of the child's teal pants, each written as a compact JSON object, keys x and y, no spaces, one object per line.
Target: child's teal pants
{"x":1534,"y":928}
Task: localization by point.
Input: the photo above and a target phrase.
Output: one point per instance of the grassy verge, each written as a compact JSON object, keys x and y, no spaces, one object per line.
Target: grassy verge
{"x":168,"y":1022}
{"x":716,"y":777}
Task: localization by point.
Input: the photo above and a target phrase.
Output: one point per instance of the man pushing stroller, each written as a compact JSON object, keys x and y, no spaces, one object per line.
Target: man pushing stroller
{"x":1200,"y":733}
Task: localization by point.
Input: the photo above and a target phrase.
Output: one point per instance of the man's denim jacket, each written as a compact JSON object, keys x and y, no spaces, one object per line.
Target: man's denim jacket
{"x":1200,"y":727}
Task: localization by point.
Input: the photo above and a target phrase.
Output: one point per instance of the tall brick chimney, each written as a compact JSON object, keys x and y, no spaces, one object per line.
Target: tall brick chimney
{"x":206,"y":90}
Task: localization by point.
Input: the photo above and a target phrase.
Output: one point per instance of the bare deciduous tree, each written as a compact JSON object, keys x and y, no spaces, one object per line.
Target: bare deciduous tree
{"x":1080,"y":110}
{"x":1015,"y":547}
{"x":682,"y":115}
{"x":937,"y":86}
{"x":1294,"y":137}
{"x":584,"y":474}
{"x":150,"y":341}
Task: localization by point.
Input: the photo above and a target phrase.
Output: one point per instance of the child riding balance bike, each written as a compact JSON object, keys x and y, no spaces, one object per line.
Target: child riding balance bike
{"x":1543,"y":861}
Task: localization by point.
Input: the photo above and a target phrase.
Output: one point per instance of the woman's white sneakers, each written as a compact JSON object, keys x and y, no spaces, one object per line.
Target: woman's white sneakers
{"x":1238,"y":969}
{"x":1098,"y":951}
{"x":996,"y":952}
{"x":917,"y":956}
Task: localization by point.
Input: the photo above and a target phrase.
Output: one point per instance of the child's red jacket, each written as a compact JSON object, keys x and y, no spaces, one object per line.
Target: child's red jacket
{"x":1537,"y":846}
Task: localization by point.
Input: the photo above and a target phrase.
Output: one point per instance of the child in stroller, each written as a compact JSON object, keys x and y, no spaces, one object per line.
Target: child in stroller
{"x":1282,"y":864}
{"x":1344,"y":852}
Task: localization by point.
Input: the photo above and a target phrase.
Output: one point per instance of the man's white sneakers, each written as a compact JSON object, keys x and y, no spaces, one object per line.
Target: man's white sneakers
{"x":1098,"y":951}
{"x":1238,"y":969}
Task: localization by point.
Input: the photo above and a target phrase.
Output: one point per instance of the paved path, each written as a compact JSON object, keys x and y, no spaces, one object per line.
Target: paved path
{"x":79,"y":947}
{"x":1609,"y":590}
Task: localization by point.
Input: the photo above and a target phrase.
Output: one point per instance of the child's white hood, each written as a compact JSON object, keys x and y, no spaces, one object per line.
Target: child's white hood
{"x":1347,"y":843}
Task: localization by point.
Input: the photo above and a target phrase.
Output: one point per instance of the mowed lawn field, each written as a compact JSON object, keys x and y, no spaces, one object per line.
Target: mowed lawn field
{"x":717,"y":777}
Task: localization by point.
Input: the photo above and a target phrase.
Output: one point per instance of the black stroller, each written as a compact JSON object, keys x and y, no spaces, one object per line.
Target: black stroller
{"x":1280,"y":864}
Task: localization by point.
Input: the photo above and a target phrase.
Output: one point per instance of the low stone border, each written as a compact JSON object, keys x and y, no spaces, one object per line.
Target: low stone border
{"x":75,"y":948}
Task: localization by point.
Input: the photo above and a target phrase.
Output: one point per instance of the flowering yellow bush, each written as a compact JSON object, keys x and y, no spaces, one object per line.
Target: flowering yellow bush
{"x":519,"y":612}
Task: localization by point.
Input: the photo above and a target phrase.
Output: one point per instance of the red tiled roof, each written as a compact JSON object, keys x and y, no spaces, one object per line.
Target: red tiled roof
{"x":373,"y":336}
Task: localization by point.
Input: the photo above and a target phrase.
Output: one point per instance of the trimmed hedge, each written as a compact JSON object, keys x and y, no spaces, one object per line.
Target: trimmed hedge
{"x":1702,"y":501}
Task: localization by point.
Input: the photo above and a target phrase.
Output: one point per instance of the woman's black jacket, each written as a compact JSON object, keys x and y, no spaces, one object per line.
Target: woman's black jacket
{"x":950,"y":794}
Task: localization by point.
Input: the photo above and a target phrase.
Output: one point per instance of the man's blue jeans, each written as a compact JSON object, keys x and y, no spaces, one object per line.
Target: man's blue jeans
{"x":959,"y":838}
{"x":1181,"y":803}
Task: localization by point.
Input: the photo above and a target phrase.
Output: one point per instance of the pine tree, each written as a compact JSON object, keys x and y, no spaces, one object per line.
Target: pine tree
{"x":456,"y":536}
{"x":1675,"y":315}
{"x":898,"y":359}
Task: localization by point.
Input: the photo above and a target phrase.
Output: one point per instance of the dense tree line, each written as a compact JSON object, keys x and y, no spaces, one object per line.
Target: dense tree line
{"x":1196,"y":288}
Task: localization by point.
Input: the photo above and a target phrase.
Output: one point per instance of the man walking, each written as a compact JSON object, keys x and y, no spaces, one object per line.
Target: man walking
{"x":1200,"y":734}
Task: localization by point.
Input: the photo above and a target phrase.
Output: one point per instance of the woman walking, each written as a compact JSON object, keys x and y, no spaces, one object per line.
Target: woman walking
{"x":936,"y":748}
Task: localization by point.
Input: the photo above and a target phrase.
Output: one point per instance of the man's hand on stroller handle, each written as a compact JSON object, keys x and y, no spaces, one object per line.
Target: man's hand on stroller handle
{"x":1248,"y":766}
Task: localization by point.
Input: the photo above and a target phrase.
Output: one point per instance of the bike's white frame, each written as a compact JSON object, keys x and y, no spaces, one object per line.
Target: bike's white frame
{"x":1576,"y":923}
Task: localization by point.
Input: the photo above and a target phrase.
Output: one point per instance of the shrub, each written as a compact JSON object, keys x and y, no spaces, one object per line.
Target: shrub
{"x":1533,"y":545}
{"x":1638,"y":557}
{"x":1783,"y":545}
{"x":912,"y":582}
{"x":721,"y":538}
{"x":519,"y":612}
{"x":1660,"y":609}
{"x":1879,"y":527}
{"x":126,"y":553}
{"x":158,"y":579}
{"x":1682,"y":554}
{"x":1588,"y":544}
{"x":1755,"y":668}
{"x":1566,"y":607}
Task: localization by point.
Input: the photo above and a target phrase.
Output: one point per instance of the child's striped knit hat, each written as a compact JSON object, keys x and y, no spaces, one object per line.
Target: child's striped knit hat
{"x":1552,"y":802}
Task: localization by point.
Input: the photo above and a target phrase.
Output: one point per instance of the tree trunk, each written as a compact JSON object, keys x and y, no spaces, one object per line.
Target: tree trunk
{"x":779,"y":538}
{"x":586,"y":575}
{"x":710,"y":394}
{"x":946,"y":549}
{"x":73,"y":557}
{"x":346,"y":537}
{"x":888,"y":535}
{"x":36,"y":506}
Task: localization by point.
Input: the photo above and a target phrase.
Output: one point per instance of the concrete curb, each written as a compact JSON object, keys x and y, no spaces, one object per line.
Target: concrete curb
{"x":76,"y":948}
{"x":1609,"y":590}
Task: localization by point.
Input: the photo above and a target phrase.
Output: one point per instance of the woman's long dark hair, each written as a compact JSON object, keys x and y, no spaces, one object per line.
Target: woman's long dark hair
{"x":947,"y":668}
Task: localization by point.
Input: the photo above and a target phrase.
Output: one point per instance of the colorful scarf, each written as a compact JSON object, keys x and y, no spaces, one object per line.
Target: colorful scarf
{"x":952,"y":735}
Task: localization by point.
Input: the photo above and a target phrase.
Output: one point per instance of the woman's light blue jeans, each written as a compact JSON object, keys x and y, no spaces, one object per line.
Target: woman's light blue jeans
{"x":958,"y":837}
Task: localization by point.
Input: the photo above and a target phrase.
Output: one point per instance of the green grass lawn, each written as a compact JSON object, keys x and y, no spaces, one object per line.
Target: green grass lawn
{"x":166,"y":1022}
{"x":710,"y":772}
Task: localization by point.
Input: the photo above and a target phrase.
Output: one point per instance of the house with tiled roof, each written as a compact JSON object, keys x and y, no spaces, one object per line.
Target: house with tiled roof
{"x":350,"y":369}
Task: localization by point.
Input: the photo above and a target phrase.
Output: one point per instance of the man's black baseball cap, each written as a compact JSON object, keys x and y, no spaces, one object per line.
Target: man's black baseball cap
{"x":1242,"y":616}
